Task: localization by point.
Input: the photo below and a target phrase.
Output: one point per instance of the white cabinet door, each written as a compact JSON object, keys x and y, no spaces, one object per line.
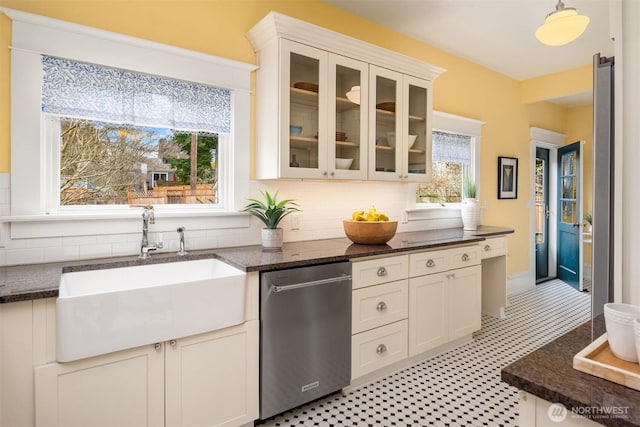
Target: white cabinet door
{"x":303,"y":97}
{"x":385,"y":124}
{"x":212,"y":378}
{"x":416,"y":153}
{"x":119,"y":389}
{"x":400,"y":109}
{"x":347,"y":127}
{"x":428,"y":312}
{"x":465,"y":299}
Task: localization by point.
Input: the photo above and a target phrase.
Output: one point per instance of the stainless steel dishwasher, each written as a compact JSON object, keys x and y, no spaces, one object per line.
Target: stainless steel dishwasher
{"x":305,"y":335}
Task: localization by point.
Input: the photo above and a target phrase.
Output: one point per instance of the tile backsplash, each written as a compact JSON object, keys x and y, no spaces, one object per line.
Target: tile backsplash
{"x":324,"y":205}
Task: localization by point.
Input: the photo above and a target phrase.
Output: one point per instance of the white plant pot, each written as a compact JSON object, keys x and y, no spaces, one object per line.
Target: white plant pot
{"x":470,"y":212}
{"x":272,"y":238}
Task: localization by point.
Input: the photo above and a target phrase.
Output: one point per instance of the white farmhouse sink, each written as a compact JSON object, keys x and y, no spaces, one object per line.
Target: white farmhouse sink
{"x":102,"y":311}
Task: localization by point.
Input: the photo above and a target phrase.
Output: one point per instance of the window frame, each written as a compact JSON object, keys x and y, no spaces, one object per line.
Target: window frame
{"x":449,"y":123}
{"x":31,"y":165}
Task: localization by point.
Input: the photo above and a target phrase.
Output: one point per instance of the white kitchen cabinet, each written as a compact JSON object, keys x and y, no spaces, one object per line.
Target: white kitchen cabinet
{"x":444,"y":297}
{"x":428,"y":313}
{"x":380,"y":347}
{"x":537,"y":412}
{"x":400,"y":109}
{"x":304,"y":75}
{"x":118,"y":389}
{"x":464,"y":288}
{"x":310,"y":95}
{"x":212,"y":379}
{"x":204,"y":380}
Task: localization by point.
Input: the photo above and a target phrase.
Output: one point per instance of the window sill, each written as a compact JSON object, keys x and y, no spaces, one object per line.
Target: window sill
{"x":433,"y":211}
{"x":118,"y":222}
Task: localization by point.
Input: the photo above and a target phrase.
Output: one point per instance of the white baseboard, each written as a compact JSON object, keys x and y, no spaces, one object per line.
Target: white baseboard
{"x":520,"y":282}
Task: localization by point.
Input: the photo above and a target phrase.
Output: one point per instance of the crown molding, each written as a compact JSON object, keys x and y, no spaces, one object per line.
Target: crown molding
{"x":276,"y":25}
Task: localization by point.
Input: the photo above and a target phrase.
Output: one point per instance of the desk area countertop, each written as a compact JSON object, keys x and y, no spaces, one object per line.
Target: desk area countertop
{"x":548,"y":374}
{"x":34,"y":281}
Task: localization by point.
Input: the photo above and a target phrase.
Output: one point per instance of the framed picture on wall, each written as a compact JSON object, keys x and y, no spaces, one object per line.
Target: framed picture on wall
{"x":507,"y":178}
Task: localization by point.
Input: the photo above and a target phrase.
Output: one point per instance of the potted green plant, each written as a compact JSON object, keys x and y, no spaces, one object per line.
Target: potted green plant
{"x":589,"y":219}
{"x":470,"y":209}
{"x":271,"y":211}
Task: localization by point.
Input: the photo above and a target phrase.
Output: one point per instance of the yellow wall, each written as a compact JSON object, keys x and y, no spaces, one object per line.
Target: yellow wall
{"x":580,"y":128}
{"x":218,"y":27}
{"x":569,"y":82}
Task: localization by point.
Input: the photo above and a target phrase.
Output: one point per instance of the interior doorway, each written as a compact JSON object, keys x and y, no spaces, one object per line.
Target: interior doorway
{"x":556,"y":205}
{"x":542,"y":214}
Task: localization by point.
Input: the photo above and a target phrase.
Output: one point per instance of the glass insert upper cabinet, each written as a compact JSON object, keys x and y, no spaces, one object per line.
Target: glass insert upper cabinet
{"x":399,"y":126}
{"x":322,"y":124}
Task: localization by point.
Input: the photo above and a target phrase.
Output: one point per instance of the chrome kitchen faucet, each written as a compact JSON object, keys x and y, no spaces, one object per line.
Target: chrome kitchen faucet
{"x":148,"y":217}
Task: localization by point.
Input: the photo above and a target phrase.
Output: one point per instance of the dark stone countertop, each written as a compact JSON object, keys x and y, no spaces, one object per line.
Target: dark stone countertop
{"x":34,"y":281}
{"x":548,"y":373}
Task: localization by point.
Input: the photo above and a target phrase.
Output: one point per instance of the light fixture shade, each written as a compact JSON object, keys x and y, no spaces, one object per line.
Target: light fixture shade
{"x":354,"y":94}
{"x":562,"y":26}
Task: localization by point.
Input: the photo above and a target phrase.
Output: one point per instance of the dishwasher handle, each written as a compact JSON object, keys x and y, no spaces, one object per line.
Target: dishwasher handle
{"x":282,"y":288}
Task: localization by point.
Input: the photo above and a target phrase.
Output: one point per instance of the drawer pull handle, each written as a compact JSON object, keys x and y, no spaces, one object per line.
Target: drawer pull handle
{"x":381,"y":349}
{"x":157,"y":346}
{"x":173,"y":343}
{"x":431,"y":263}
{"x":381,"y":272}
{"x":487,"y":248}
{"x":465,"y":257}
{"x":382,"y":306}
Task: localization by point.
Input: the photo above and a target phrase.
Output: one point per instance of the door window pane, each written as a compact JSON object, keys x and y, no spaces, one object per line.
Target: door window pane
{"x":386,"y":138}
{"x":540,"y":208}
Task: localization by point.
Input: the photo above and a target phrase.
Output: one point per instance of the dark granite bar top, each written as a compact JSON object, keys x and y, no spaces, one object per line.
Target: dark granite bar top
{"x":34,"y":281}
{"x":548,"y":373}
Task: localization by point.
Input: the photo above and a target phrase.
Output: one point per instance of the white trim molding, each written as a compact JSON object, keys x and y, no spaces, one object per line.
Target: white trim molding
{"x":33,"y":36}
{"x":277,"y":25}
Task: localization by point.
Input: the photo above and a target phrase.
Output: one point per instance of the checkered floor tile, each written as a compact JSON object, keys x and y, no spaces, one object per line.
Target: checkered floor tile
{"x":461,"y":387}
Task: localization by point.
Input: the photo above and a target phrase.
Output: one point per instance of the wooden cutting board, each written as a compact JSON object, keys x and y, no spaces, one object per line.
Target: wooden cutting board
{"x":598,"y":360}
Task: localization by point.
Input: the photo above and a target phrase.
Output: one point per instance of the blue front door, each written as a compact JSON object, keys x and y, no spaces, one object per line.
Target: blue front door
{"x":569,"y":215}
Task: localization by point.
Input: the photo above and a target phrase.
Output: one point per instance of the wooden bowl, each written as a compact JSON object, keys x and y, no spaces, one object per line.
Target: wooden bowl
{"x":370,"y":232}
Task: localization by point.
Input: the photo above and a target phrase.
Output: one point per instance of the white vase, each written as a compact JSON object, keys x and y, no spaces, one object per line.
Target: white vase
{"x":272,"y":238}
{"x":470,"y":212}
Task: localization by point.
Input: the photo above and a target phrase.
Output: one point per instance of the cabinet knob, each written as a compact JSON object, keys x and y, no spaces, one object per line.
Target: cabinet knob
{"x":431,"y":263}
{"x":324,"y":173}
{"x":465,"y":257}
{"x":381,"y":272}
{"x":173,"y":343}
{"x":382,"y":306}
{"x":332,"y":173}
{"x":487,"y":248}
{"x":157,"y":346}
{"x":381,"y":349}
{"x":406,"y":177}
{"x":399,"y":176}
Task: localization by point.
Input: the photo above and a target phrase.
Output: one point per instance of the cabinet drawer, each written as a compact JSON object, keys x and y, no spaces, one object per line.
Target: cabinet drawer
{"x":464,"y":256}
{"x":378,"y":348}
{"x":495,"y":246}
{"x":379,"y":305}
{"x":427,"y":263}
{"x":382,"y":270}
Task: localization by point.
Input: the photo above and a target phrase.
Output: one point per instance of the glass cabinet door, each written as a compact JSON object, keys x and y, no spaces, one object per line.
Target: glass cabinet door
{"x":385,"y":127}
{"x":347,"y":153}
{"x":416,"y":159}
{"x":304,"y":113}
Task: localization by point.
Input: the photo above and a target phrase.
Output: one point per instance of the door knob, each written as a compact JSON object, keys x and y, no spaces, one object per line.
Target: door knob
{"x":576,"y":225}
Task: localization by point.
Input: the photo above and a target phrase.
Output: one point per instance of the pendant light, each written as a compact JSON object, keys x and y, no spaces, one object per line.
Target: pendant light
{"x":562,"y":26}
